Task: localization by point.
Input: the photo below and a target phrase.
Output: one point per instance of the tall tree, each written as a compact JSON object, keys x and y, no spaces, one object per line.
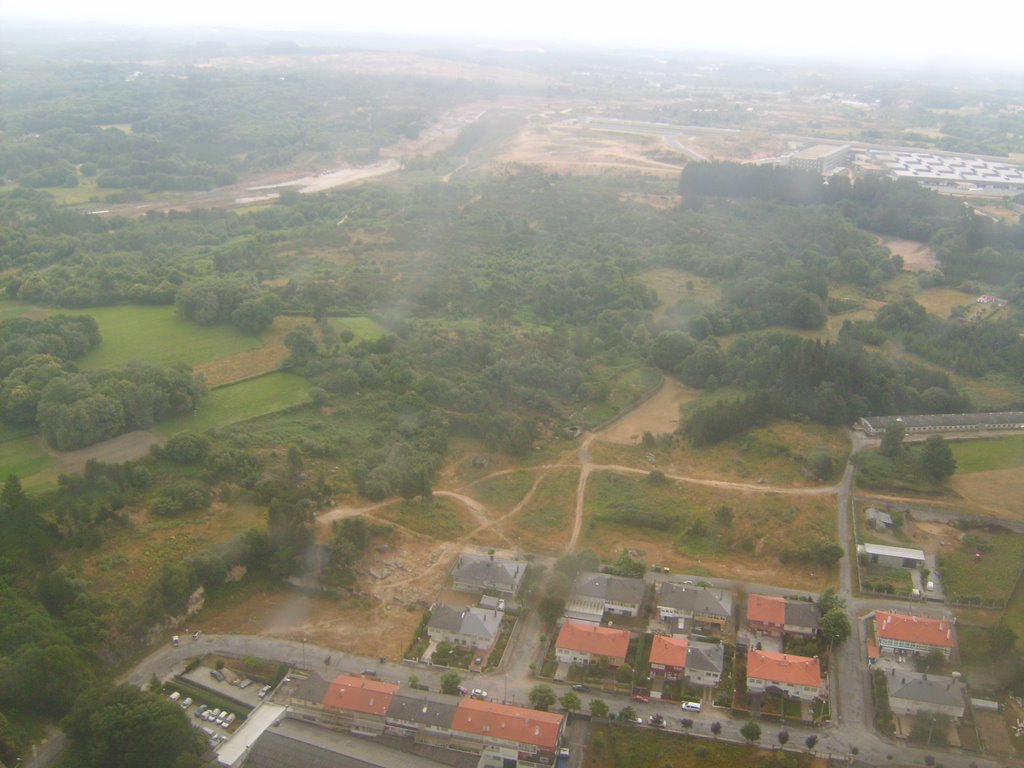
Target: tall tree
{"x":937,"y":458}
{"x":542,"y":697}
{"x":751,"y":731}
{"x":125,"y":727}
{"x":892,"y":440}
{"x":835,"y":626}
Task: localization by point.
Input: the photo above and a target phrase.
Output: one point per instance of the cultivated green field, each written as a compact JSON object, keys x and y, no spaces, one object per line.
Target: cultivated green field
{"x":149,"y":334}
{"x":982,"y":455}
{"x":238,"y":402}
{"x":157,"y":335}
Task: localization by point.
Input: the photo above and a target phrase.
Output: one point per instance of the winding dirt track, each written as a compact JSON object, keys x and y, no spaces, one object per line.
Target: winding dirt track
{"x":443,"y":552}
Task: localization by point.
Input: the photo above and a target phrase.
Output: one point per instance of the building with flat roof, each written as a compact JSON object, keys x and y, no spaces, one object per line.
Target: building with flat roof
{"x":893,"y":557}
{"x":943,"y":422}
{"x":961,"y":172}
{"x":821,"y":158}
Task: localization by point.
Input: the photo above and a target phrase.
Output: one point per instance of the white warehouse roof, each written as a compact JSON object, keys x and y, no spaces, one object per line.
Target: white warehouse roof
{"x":886,"y":551}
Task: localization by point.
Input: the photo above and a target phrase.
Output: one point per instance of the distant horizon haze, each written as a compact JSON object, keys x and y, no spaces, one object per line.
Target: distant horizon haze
{"x":910,"y":33}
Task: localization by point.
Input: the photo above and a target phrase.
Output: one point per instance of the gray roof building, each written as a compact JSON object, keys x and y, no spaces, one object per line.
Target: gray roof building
{"x":470,"y":624}
{"x":312,"y":689}
{"x":944,"y":422}
{"x":910,"y":692}
{"x":878,"y":518}
{"x":479,"y":573}
{"x":705,"y":657}
{"x":800,"y":613}
{"x":695,"y":602}
{"x":615,"y":589}
{"x":422,"y":709}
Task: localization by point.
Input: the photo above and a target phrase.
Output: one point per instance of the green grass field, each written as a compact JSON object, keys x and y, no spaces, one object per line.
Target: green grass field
{"x":157,"y":335}
{"x":502,"y":492}
{"x":982,"y":455}
{"x":239,"y":402}
{"x":365,"y":328}
{"x":22,"y":454}
{"x":439,"y":518}
{"x":990,"y":577}
{"x":150,"y":334}
{"x":614,"y":746}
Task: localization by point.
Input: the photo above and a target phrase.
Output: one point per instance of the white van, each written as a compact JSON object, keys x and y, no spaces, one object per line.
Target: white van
{"x":691,"y":706}
{"x":175,"y":696}
{"x":930,"y":586}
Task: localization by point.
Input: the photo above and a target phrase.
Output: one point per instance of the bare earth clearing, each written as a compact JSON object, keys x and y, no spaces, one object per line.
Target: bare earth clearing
{"x":116,"y":450}
{"x":997,"y":492}
{"x":573,"y":149}
{"x":917,"y":257}
{"x":658,"y":415}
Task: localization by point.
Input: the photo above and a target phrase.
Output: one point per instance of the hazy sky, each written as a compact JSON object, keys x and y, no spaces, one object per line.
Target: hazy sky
{"x":935,"y":32}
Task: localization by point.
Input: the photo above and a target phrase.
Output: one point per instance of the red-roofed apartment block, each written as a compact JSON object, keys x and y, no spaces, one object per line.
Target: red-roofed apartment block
{"x":797,"y":676}
{"x":525,"y":735}
{"x":580,"y":643}
{"x":358,"y":704}
{"x":900,"y":633}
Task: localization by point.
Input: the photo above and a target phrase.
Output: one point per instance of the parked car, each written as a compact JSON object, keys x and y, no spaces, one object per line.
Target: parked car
{"x":201,"y":710}
{"x":263,"y":691}
{"x":175,"y":696}
{"x":186,"y":703}
{"x":229,"y":719}
{"x":216,"y":675}
{"x":656,"y":720}
{"x":581,"y":687}
{"x":640,"y":698}
{"x":691,"y":706}
{"x":463,"y":690}
{"x":478,"y":693}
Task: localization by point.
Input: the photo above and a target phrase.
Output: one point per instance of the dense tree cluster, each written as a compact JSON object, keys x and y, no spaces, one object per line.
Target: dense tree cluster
{"x":35,"y":352}
{"x":85,"y":408}
{"x":212,"y":301}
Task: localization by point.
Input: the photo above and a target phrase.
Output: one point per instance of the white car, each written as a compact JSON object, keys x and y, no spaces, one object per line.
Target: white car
{"x":478,"y":693}
{"x":175,"y":696}
{"x":186,"y":703}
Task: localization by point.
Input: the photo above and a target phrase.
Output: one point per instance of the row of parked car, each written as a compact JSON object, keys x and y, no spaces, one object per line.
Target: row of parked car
{"x":221,"y":717}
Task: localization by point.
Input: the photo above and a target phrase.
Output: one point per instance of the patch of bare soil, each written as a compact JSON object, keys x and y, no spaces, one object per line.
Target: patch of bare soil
{"x":572,"y":149}
{"x":116,"y":450}
{"x":997,"y":491}
{"x":917,"y":257}
{"x":251,"y":362}
{"x":658,"y":415}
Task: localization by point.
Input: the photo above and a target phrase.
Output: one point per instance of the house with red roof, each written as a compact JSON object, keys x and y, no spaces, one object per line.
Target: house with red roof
{"x":357,"y":704}
{"x":508,"y":734}
{"x":798,"y":677}
{"x":903,"y":634}
{"x":668,"y":655}
{"x":581,"y":643}
{"x":777,"y":616}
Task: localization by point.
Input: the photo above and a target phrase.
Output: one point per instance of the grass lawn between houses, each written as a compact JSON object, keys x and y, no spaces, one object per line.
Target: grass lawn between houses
{"x":613,"y":746}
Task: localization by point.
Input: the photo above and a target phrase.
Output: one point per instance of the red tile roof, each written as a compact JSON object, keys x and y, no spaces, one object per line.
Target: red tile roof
{"x":359,"y":694}
{"x":784,"y":668}
{"x":914,"y":629}
{"x":503,"y":721}
{"x":669,"y":651}
{"x":766,"y":609}
{"x":597,"y":641}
